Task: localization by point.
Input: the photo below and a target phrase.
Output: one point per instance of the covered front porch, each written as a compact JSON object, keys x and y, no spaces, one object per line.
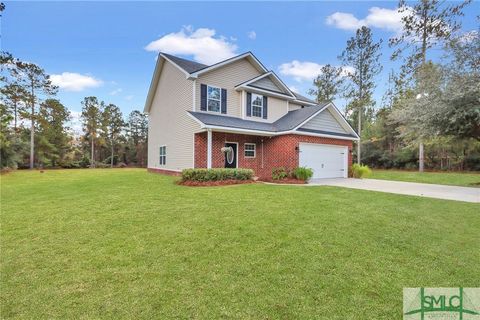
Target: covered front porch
{"x":245,"y":151}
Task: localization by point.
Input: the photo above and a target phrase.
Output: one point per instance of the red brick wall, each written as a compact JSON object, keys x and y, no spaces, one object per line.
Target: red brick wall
{"x":277,"y":151}
{"x":218,"y":157}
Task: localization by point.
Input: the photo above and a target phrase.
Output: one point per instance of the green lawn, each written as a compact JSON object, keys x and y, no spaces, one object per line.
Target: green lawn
{"x":130,"y":244}
{"x":447,"y":178}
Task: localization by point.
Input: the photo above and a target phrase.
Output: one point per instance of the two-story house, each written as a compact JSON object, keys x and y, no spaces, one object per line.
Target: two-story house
{"x":238,"y":114}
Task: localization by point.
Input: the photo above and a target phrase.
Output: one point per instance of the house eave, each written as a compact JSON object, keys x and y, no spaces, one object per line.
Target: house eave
{"x":264,"y":91}
{"x":274,"y":134}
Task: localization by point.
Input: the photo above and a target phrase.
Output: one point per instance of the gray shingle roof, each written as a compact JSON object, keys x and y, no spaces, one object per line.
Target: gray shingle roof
{"x":285,"y":123}
{"x":187,"y":65}
{"x":294,"y":118}
{"x":192,"y":66}
{"x":300,"y":97}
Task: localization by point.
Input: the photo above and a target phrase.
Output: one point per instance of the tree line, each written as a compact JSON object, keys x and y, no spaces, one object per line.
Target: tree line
{"x":34,"y":125}
{"x":429,"y":116}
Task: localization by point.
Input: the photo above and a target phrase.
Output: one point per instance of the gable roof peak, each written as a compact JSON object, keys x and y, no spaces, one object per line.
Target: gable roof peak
{"x":188,"y":65}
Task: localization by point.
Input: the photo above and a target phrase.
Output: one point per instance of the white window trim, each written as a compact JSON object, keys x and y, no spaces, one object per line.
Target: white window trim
{"x":160,"y":156}
{"x":254,"y":150}
{"x":261,"y":107}
{"x":219,"y":100}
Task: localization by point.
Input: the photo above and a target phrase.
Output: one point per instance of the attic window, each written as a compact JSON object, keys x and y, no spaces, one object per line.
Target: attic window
{"x":213,"y":99}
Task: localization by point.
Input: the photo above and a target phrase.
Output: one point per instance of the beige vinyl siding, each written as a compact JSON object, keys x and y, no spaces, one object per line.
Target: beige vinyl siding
{"x":169,"y":124}
{"x":294,"y":106}
{"x":324,"y":121}
{"x":266,"y":83}
{"x":277,"y":108}
{"x":228,"y":77}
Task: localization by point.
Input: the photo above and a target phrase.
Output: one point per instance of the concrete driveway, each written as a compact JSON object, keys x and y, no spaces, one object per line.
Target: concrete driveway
{"x":408,"y":188}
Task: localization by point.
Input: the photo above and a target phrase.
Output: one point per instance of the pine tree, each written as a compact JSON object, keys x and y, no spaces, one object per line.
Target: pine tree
{"x":426,"y":24}
{"x":53,"y":137}
{"x":362,"y":55}
{"x":91,"y":118}
{"x":138,"y":135}
{"x":14,"y":97}
{"x":37,"y":83}
{"x":113,"y":124}
{"x":327,"y":84}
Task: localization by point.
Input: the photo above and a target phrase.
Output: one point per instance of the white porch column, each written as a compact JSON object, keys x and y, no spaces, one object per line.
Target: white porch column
{"x":209,"y":148}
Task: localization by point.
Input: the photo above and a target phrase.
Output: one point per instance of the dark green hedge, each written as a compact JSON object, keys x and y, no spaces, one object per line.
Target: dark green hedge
{"x":216,"y":174}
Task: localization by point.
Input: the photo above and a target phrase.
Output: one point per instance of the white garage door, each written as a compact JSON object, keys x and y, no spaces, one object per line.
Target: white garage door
{"x":327,"y":161}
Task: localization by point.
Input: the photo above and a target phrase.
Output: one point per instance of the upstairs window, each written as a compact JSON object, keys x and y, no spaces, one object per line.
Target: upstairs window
{"x":213,"y":99}
{"x":257,"y":105}
{"x":163,"y":155}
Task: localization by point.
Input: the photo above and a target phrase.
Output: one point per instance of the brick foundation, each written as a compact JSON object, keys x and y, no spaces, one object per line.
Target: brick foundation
{"x":271,"y":152}
{"x":164,"y":171}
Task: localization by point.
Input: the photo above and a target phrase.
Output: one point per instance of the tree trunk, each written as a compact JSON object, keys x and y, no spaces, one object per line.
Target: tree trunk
{"x":421,"y":162}
{"x":111,"y":157}
{"x":32,"y":130}
{"x":92,"y":155}
{"x":420,"y":157}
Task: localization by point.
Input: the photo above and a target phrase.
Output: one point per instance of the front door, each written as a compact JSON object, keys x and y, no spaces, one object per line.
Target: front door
{"x":231,"y":156}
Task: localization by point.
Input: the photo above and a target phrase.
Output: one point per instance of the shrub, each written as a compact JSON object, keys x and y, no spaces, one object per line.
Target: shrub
{"x":279,"y":173}
{"x":69,"y":164}
{"x":218,"y":174}
{"x":359,"y":171}
{"x":84,"y":162}
{"x":303,"y":173}
{"x":100,"y":165}
{"x":109,"y":159}
{"x":121,"y":165}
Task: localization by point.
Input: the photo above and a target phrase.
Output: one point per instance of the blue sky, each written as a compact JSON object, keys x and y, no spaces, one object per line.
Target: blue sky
{"x":99,"y":48}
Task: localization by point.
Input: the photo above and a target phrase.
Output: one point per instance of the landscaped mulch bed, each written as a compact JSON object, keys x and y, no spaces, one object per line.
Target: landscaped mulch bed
{"x":285,"y":181}
{"x":213,"y":183}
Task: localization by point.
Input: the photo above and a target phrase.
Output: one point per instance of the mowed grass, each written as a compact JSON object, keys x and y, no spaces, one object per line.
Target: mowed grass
{"x":448,"y":178}
{"x":130,"y":244}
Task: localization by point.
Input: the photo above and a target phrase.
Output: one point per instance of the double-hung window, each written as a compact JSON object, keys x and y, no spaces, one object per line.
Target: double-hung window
{"x":249,"y":150}
{"x":214,"y":96}
{"x":163,"y":155}
{"x":257,"y":105}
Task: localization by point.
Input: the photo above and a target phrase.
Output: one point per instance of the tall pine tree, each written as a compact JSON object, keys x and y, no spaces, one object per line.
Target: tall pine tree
{"x":327,"y":84}
{"x":362,"y":55}
{"x":91,"y":119}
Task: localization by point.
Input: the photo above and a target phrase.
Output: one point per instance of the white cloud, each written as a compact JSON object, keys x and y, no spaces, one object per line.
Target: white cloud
{"x":305,"y":70}
{"x":70,"y":81}
{"x":129,"y":97}
{"x":300,"y":70}
{"x":345,"y":21}
{"x":201,"y":44}
{"x":116,"y":91}
{"x":252,"y":35}
{"x":382,"y":18}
